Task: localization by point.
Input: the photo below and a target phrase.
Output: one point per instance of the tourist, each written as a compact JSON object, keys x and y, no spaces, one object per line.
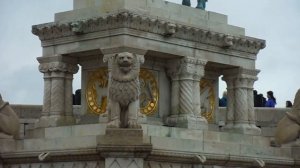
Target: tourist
{"x":271,"y":102}
{"x":288,"y":104}
{"x":223,"y":100}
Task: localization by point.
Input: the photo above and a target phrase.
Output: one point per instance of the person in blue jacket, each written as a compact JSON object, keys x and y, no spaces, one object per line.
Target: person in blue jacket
{"x":271,"y":102}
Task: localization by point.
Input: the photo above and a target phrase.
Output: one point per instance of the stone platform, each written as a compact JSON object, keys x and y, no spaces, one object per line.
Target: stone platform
{"x":88,"y":144}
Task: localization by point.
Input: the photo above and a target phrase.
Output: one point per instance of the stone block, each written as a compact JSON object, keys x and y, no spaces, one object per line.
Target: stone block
{"x":161,"y":131}
{"x":121,"y":137}
{"x":221,"y":148}
{"x":59,"y":143}
{"x":182,"y":133}
{"x":236,"y":138}
{"x":58,"y":132}
{"x":252,"y":150}
{"x":183,"y":145}
{"x":283,"y":152}
{"x":7,"y":145}
{"x":87,"y":130}
{"x":217,"y":17}
{"x":261,"y":141}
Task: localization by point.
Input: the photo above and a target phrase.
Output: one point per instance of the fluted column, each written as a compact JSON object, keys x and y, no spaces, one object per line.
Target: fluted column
{"x":57,"y":105}
{"x":185,"y":96}
{"x":240,"y":111}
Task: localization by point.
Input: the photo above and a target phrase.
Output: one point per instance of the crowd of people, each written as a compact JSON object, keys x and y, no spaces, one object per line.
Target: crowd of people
{"x":259,"y":100}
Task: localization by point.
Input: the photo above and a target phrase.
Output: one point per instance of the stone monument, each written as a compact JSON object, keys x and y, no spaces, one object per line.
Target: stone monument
{"x":149,"y":87}
{"x":9,"y":121}
{"x":124,"y":90}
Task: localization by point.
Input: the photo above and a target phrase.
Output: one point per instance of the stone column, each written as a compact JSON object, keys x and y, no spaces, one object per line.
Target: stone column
{"x":185,"y":85}
{"x":172,"y":72}
{"x":69,"y":97}
{"x":58,"y":76}
{"x":240,"y":111}
{"x":57,"y":94}
{"x":47,"y":94}
{"x":230,"y":102}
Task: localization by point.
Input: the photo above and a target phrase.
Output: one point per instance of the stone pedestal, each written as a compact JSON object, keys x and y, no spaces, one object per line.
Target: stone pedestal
{"x":124,"y":148}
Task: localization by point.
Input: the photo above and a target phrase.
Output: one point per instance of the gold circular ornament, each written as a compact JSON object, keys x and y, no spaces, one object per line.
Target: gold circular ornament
{"x":97,"y":91}
{"x":149,"y":93}
{"x":207,"y":99}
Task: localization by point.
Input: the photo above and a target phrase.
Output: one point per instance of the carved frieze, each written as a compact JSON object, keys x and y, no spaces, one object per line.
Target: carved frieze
{"x":58,"y":67}
{"x":167,"y":28}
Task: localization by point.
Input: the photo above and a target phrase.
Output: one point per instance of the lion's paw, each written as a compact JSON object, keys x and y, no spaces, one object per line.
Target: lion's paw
{"x":134,"y":124}
{"x":114,"y":124}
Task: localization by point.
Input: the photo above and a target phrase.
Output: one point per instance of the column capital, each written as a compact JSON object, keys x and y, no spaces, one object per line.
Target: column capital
{"x":241,"y":73}
{"x":58,"y":67}
{"x":187,"y":67}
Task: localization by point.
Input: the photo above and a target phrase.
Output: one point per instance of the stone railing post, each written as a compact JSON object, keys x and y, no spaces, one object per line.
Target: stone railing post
{"x":240,"y":111}
{"x":186,"y":111}
{"x":58,"y":103}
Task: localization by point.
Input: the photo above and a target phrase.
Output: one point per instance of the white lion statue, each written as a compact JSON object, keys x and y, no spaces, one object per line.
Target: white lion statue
{"x":123,"y":90}
{"x":9,"y":121}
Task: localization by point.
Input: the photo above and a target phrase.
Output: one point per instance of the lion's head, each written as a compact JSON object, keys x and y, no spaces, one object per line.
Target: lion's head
{"x":125,"y":61}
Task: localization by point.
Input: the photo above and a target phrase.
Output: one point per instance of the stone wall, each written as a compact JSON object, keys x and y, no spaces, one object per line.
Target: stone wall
{"x":266,"y":118}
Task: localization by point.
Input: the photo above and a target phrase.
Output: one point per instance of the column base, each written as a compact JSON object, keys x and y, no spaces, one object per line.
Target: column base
{"x":54,"y":121}
{"x":249,"y":129}
{"x":187,"y":121}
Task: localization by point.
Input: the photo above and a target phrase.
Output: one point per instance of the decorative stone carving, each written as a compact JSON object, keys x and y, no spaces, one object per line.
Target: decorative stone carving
{"x":9,"y":121}
{"x":288,"y":128}
{"x":124,"y":90}
{"x":128,"y":19}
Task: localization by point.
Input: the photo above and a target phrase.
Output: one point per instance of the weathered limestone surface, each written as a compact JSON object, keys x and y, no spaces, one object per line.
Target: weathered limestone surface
{"x":9,"y":121}
{"x":123,"y":90}
{"x":169,"y":145}
{"x":289,"y":127}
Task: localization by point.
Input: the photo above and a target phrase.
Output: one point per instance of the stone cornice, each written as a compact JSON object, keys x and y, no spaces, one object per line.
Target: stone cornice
{"x":141,"y":22}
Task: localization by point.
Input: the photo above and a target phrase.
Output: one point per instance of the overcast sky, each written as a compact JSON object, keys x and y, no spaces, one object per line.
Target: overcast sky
{"x":276,"y":21}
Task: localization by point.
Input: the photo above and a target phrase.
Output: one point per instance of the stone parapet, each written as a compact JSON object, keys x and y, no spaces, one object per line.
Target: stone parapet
{"x":169,"y":145}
